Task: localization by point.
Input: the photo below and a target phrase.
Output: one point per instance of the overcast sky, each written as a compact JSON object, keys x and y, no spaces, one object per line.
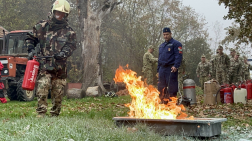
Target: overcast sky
{"x":212,"y":12}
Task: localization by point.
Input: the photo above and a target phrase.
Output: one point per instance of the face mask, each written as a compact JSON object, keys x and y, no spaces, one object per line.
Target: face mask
{"x":56,"y":16}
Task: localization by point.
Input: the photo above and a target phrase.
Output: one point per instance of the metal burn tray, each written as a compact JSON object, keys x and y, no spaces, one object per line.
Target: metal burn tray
{"x":199,"y":127}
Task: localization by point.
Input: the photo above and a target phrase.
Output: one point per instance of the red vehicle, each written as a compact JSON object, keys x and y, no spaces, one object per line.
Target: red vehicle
{"x":13,"y":55}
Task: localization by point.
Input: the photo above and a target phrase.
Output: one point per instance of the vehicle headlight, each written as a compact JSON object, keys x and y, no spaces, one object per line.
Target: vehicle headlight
{"x":5,"y":71}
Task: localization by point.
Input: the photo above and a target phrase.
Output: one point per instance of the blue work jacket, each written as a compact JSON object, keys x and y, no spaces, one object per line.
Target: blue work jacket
{"x":170,"y":53}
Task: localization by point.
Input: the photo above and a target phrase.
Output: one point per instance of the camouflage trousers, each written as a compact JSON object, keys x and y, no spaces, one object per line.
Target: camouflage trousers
{"x":213,"y":75}
{"x":247,"y":77}
{"x":45,"y":83}
{"x":234,"y":79}
{"x":148,"y":74}
{"x":180,"y":82}
{"x":221,"y":77}
{"x":202,"y":80}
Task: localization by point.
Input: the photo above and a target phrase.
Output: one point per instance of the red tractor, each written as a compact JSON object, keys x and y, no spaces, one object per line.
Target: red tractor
{"x":13,"y":55}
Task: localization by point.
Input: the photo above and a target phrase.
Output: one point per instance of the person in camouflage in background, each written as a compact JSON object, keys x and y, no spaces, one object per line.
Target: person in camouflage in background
{"x":221,"y":64}
{"x":148,"y":65}
{"x":56,"y":39}
{"x":232,"y":53}
{"x":181,"y":73}
{"x":212,"y":67}
{"x":235,"y":70}
{"x":203,"y":71}
{"x":246,"y":68}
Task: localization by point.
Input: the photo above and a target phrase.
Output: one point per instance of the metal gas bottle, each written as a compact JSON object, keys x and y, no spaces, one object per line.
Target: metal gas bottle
{"x":240,"y":95}
{"x":30,"y":76}
{"x":189,"y":90}
{"x":249,"y":90}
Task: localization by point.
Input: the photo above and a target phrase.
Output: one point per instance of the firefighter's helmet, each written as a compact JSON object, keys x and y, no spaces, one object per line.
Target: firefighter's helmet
{"x":62,"y":6}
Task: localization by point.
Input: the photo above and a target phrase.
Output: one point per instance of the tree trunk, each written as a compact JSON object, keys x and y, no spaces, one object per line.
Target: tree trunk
{"x":91,"y":42}
{"x":91,"y":50}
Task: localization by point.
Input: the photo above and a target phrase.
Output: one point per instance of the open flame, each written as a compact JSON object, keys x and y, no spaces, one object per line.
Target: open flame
{"x":145,"y":99}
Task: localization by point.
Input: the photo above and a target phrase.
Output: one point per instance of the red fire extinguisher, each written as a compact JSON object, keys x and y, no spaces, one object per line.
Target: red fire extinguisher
{"x":228,"y":95}
{"x":242,"y":85}
{"x":248,"y":81}
{"x":249,"y":90}
{"x":30,"y":76}
{"x":31,"y":73}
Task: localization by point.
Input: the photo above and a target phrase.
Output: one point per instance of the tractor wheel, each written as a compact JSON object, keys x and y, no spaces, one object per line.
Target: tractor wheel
{"x":12,"y":93}
{"x":24,"y":95}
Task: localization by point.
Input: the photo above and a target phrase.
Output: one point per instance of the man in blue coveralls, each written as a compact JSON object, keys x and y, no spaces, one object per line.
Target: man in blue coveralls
{"x":170,"y":56}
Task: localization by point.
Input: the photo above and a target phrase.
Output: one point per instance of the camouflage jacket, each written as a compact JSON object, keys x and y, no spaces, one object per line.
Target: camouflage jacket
{"x":230,"y":56}
{"x":51,"y":42}
{"x":203,"y":69}
{"x":221,"y":63}
{"x":235,"y":68}
{"x":148,"y":61}
{"x":212,"y":67}
{"x":182,"y":67}
{"x":245,"y":70}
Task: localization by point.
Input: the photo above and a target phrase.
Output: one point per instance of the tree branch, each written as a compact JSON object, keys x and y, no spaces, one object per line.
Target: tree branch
{"x":107,"y":8}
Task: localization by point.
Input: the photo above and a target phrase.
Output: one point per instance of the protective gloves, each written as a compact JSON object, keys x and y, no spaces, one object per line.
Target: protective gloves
{"x":60,"y":56}
{"x":31,"y":54}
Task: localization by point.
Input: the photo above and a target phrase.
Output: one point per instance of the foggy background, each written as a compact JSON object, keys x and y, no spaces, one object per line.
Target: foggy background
{"x":128,"y":31}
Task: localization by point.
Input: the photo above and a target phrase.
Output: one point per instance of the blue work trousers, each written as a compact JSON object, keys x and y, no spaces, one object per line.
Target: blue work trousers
{"x":167,"y":82}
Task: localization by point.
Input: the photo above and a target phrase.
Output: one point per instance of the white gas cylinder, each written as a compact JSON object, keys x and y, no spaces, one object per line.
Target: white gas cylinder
{"x":240,"y":95}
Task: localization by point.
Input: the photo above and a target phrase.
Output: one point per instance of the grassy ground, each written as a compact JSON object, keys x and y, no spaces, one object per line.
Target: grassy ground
{"x":90,"y":119}
{"x":86,"y":107}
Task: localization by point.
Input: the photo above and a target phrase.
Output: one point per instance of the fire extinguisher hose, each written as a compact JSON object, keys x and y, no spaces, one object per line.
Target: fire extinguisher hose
{"x":223,"y":88}
{"x":217,"y":94}
{"x":42,"y":57}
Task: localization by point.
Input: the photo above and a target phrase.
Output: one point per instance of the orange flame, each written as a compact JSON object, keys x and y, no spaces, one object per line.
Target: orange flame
{"x":145,"y":99}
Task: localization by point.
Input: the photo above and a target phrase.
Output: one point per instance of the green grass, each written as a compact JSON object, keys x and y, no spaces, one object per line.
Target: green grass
{"x":199,"y":91}
{"x":66,"y":128}
{"x":77,"y":128}
{"x":86,"y":107}
{"x":80,"y":119}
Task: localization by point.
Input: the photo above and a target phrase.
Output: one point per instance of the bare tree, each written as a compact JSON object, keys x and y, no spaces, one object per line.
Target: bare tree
{"x":90,"y":23}
{"x":128,"y":31}
{"x":217,"y":28}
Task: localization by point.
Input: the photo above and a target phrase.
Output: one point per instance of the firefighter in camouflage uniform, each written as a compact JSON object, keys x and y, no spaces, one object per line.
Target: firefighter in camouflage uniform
{"x":232,"y":53}
{"x":212,"y":67}
{"x":148,"y":65}
{"x":221,"y":63}
{"x":235,"y":70}
{"x":57,"y":39}
{"x":203,"y":71}
{"x":246,"y":68}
